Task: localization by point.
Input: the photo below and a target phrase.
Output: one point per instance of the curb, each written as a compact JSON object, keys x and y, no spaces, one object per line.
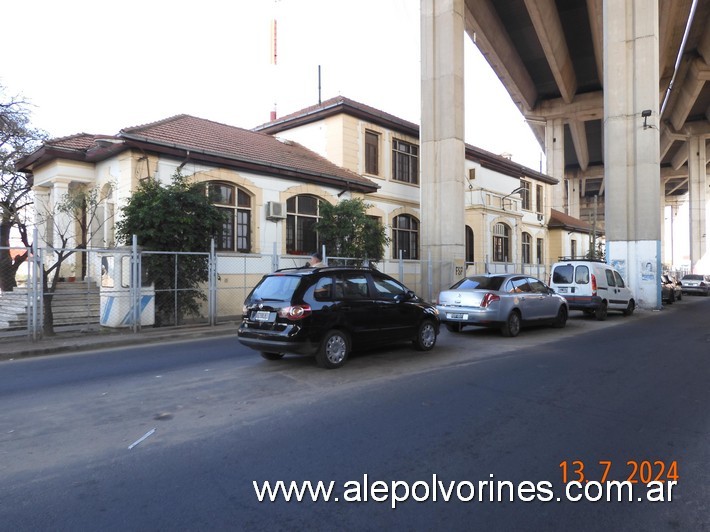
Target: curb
{"x":26,"y":349}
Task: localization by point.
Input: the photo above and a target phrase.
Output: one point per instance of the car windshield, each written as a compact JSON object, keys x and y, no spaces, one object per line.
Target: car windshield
{"x":693,"y":277}
{"x":276,"y":288}
{"x":479,"y":283}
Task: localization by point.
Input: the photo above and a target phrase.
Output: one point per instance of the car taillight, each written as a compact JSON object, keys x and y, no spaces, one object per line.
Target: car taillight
{"x":594,"y":285}
{"x":488,"y":299}
{"x":296,"y":312}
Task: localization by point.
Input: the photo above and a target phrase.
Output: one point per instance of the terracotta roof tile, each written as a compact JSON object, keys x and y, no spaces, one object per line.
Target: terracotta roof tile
{"x":561,"y":220}
{"x":198,"y":134}
{"x":79,"y":141}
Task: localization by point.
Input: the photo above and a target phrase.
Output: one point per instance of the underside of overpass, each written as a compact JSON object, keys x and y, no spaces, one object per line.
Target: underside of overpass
{"x":549,"y":55}
{"x":615,"y":93}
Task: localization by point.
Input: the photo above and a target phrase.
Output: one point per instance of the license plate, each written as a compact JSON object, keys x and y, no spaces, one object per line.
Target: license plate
{"x":456,"y":316}
{"x":562,"y":289}
{"x":262,"y":315}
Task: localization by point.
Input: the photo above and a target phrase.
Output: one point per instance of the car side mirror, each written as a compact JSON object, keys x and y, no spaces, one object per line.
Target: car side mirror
{"x":399,"y":298}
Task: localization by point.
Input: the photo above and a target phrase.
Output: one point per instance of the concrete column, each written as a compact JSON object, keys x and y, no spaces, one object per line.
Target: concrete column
{"x":631,"y":153}
{"x":442,"y":139}
{"x":63,"y":224}
{"x":573,"y":184}
{"x":697,"y":198}
{"x":555,"y":156}
{"x":42,"y":207}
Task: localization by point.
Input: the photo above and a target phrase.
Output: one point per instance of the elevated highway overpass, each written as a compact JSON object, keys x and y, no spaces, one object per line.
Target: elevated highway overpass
{"x":615,"y":92}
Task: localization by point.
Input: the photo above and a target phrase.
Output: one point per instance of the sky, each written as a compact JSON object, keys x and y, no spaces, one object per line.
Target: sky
{"x":96,"y":68}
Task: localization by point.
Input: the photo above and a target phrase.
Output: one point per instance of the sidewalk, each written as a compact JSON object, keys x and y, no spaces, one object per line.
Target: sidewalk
{"x":22,"y":347}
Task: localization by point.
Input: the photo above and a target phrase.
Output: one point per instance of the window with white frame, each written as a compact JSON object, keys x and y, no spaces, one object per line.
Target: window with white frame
{"x":405,"y":162}
{"x":526,"y":194}
{"x":526,"y":248}
{"x":405,"y":237}
{"x":501,"y":243}
{"x":372,"y":153}
{"x":302,"y":214}
{"x":539,"y":199}
{"x":235,"y":203}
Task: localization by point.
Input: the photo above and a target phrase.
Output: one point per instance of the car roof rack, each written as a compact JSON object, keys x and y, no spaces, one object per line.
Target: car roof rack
{"x":579,"y":259}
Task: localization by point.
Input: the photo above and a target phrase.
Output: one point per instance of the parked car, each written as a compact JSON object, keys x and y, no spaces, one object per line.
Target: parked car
{"x":695,"y":283}
{"x":592,"y":286}
{"x":329,"y":311}
{"x":671,"y":289}
{"x":501,"y":300}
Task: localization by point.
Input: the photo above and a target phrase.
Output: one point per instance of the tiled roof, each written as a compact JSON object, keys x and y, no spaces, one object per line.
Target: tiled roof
{"x":344,"y":105}
{"x":230,"y":142}
{"x":341,"y":104}
{"x":565,"y":221}
{"x":79,"y":141}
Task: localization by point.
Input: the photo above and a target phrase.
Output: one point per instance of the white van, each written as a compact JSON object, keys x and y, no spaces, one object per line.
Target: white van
{"x":592,"y":286}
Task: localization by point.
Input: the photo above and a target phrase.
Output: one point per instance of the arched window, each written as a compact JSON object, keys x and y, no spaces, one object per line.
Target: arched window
{"x":302,"y":213}
{"x":236,"y":204}
{"x":469,"y":244}
{"x":527,"y":248}
{"x":405,"y":237}
{"x":501,"y":243}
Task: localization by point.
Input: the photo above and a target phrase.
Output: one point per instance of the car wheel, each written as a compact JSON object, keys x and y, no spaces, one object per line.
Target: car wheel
{"x":601,"y":311}
{"x":561,"y":319}
{"x":426,"y":336}
{"x":512,"y":325}
{"x":454,"y":327}
{"x":272,"y":356}
{"x":630,"y":308}
{"x":334,"y":350}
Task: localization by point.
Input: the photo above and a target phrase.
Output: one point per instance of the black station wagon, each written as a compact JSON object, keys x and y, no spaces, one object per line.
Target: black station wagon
{"x":329,"y":311}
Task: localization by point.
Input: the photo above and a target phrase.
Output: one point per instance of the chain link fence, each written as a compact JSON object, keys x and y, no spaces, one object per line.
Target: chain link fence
{"x":98,"y":291}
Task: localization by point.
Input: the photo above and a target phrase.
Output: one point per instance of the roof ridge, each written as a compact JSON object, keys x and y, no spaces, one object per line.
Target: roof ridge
{"x":72,"y":136}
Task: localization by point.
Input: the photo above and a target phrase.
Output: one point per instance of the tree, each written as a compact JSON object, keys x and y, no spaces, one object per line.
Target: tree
{"x":347,"y":230}
{"x":175,"y":217}
{"x":17,"y":139}
{"x":78,"y":208}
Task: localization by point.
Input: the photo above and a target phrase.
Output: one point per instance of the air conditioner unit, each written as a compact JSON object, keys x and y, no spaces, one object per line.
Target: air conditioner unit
{"x":275,"y":210}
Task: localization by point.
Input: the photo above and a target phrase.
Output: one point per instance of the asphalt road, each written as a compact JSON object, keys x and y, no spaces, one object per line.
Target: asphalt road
{"x":479,"y":408}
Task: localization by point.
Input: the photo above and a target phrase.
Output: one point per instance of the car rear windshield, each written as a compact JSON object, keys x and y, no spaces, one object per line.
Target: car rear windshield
{"x":276,"y":288}
{"x":479,"y":283}
{"x":563,"y":274}
{"x":693,"y":277}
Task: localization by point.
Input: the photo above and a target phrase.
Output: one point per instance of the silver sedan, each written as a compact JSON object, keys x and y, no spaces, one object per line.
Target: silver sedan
{"x":501,"y":300}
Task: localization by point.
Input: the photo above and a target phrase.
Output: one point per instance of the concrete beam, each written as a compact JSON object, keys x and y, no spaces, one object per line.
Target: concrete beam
{"x":579,"y":139}
{"x":491,"y":37}
{"x":594,"y":9}
{"x":548,"y":27}
{"x":584,"y":107}
{"x":673,"y":173}
{"x":704,"y":46}
{"x":695,"y":78}
{"x":681,"y":184}
{"x":680,"y":158}
{"x":670,"y":35}
{"x":668,"y":137}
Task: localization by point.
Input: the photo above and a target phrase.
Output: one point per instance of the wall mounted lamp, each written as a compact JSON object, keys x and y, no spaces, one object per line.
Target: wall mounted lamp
{"x":645,"y":114}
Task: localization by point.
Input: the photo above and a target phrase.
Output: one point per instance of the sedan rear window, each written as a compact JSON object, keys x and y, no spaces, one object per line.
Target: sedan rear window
{"x":479,"y":283}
